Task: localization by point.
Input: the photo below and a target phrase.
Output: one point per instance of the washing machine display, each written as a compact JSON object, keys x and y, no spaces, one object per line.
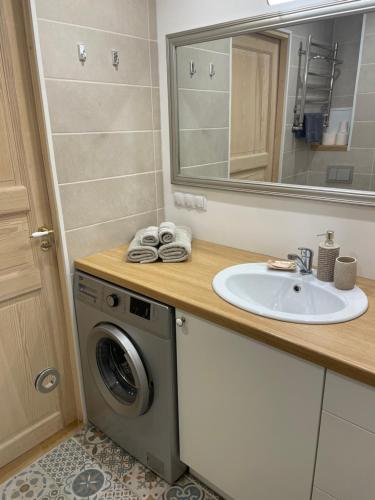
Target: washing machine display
{"x":118,"y":370}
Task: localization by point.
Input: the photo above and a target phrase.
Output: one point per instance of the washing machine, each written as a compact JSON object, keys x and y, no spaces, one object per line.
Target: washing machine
{"x":128,"y":357}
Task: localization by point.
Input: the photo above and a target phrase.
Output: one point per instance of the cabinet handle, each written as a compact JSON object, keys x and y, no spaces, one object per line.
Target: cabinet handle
{"x":180,"y":321}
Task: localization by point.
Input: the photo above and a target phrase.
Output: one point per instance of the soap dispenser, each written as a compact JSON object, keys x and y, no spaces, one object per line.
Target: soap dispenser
{"x":327,"y":255}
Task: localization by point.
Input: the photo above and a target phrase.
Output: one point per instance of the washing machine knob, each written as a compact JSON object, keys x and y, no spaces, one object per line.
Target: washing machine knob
{"x":112,"y":300}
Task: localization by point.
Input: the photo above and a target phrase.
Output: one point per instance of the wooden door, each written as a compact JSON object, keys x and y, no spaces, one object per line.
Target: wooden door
{"x":33,"y":334}
{"x":255,"y":77}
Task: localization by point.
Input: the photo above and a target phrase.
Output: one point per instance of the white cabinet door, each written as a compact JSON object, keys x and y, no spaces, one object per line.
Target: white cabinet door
{"x":346,"y":460}
{"x":249,"y":414}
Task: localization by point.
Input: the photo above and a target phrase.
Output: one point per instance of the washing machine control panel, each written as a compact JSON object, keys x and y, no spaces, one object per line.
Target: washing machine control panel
{"x":140,"y":308}
{"x":112,"y":300}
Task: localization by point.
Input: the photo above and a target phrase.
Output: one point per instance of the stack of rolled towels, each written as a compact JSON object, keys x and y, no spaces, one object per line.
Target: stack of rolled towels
{"x":168,"y":242}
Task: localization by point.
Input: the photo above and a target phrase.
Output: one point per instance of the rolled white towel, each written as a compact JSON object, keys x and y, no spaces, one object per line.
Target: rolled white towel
{"x":180,"y":249}
{"x":140,"y":253}
{"x":167,"y":232}
{"x":150,"y":236}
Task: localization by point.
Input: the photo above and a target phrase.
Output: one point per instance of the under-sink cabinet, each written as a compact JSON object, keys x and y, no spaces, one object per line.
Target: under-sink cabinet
{"x":249,"y":413}
{"x":346,"y":453}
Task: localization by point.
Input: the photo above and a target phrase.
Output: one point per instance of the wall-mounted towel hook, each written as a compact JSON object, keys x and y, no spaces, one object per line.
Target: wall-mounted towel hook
{"x":82,"y":52}
{"x":115,"y":58}
{"x":211,"y":70}
{"x":193,"y":69}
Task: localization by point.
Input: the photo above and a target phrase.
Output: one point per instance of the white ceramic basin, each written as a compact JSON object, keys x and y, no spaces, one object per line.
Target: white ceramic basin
{"x":288,"y":296}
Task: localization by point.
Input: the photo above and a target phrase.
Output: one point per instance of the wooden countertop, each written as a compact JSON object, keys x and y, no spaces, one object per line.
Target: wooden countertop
{"x":348,"y":348}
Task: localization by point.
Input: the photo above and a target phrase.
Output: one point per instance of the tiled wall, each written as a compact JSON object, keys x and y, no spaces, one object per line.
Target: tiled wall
{"x":363,"y":138}
{"x":296,"y":153}
{"x":105,"y":121}
{"x":301,"y":165}
{"x":347,"y":32}
{"x":204,"y":108}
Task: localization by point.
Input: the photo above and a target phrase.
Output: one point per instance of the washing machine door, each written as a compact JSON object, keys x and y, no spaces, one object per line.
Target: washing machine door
{"x":118,"y":370}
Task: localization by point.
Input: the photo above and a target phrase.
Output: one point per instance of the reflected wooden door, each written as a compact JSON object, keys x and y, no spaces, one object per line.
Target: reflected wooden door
{"x":255,"y":75}
{"x":33,"y":334}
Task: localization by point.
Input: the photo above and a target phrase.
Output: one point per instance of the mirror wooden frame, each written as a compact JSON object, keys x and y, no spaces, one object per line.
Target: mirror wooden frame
{"x":233,"y":28}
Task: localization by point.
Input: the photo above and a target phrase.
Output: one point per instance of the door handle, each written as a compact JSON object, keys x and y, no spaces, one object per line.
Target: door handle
{"x":41,"y":233}
{"x":44,"y":233}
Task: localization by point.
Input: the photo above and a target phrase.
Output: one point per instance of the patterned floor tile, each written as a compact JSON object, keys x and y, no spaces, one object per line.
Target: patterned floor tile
{"x":30,"y":483}
{"x":105,"y":451}
{"x":90,"y":466}
{"x":145,"y":483}
{"x":189,"y":488}
{"x":65,"y":459}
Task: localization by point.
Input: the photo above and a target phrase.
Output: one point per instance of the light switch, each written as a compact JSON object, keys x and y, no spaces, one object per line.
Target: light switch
{"x":189,"y":200}
{"x":179,"y":199}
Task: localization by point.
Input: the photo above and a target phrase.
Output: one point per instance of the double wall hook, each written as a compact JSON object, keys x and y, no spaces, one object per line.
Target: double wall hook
{"x":211,"y":70}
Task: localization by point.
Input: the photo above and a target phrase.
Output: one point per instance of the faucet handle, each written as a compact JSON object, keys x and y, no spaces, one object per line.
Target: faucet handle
{"x":308,"y":252}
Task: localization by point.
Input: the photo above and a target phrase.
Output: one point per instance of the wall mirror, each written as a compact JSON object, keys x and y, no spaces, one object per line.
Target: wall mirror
{"x":279,"y":104}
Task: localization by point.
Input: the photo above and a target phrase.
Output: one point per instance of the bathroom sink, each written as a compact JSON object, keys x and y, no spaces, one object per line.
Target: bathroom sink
{"x":288,"y":296}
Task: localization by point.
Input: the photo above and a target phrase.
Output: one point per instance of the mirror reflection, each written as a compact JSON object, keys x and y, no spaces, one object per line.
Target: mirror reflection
{"x":291,"y":105}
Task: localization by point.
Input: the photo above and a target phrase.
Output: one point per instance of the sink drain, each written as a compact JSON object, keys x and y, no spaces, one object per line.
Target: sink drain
{"x":297,"y":288}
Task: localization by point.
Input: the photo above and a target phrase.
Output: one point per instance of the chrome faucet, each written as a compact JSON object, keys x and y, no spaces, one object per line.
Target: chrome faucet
{"x":303,"y":261}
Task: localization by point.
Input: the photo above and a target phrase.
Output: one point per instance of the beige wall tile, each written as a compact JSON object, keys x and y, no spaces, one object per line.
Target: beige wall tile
{"x":93,"y":156}
{"x":348,"y":28}
{"x":370,"y":23}
{"x":222,"y":45}
{"x":157,"y":142}
{"x":202,"y":59}
{"x":366,"y":81}
{"x":363,"y":135}
{"x":198,"y":147}
{"x":88,"y":240}
{"x":152,"y":24}
{"x":361,"y":159}
{"x":345,"y":83}
{"x":160,"y":216}
{"x":87,"y":203}
{"x":159,"y":189}
{"x":122,"y":16}
{"x":89,"y":107}
{"x":203,"y":109}
{"x":292,"y":81}
{"x":156,"y":108}
{"x":291,"y":143}
{"x":320,"y":30}
{"x":360,"y":181}
{"x":365,"y":107}
{"x":295,"y":162}
{"x":154,"y":64}
{"x":368,"y":52}
{"x":213,"y":170}
{"x":342,"y":101}
{"x":64,"y":63}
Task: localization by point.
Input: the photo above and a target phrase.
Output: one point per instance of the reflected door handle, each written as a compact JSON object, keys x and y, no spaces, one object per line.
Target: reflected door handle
{"x":41,"y":233}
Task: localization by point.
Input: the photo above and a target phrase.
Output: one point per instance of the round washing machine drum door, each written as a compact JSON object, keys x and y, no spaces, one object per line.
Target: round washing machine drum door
{"x":118,"y":370}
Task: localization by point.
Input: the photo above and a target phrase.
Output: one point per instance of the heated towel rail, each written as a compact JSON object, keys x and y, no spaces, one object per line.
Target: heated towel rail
{"x":320,"y":92}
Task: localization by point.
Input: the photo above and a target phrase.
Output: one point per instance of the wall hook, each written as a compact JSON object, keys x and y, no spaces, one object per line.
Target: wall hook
{"x":82,"y":52}
{"x":211,"y":70}
{"x":115,"y":58}
{"x":193,"y":69}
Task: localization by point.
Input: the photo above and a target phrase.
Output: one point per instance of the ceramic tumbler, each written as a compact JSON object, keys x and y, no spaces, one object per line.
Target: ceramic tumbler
{"x":345,"y":273}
